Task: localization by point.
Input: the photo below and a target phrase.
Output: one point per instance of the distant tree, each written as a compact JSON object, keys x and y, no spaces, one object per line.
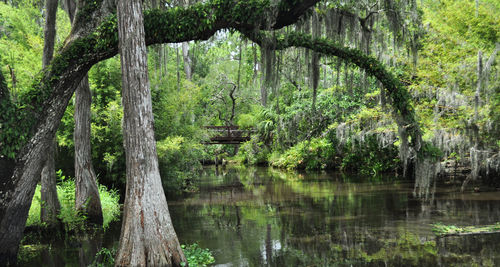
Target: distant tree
{"x":50,"y":205}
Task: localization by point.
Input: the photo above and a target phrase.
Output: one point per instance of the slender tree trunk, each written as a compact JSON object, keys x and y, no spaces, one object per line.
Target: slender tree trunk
{"x":177,"y":68}
{"x":238,"y":79}
{"x":187,"y":60}
{"x":255,"y":63}
{"x":316,"y":31}
{"x":147,"y":236}
{"x":49,"y":31}
{"x":50,"y":206}
{"x":87,"y":198}
{"x":185,"y":49}
{"x":263,"y":84}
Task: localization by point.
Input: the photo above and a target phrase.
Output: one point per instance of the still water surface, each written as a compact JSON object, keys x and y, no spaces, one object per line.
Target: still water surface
{"x":266,"y":217}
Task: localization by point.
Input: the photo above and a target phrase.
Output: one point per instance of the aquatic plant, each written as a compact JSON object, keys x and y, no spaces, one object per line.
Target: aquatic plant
{"x":445,"y":230}
{"x":197,"y":256}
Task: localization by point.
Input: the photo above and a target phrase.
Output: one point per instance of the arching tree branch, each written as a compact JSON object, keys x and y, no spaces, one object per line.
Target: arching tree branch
{"x":403,"y":109}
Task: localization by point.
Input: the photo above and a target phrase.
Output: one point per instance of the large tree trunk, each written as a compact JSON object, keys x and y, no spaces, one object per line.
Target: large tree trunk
{"x":147,"y":236}
{"x":50,"y":206}
{"x":86,"y":191}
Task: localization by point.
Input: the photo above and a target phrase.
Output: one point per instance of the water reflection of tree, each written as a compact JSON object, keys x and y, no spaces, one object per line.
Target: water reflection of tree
{"x":303,"y":220}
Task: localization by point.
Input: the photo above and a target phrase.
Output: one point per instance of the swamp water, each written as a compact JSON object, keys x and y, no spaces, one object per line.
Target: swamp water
{"x":266,"y":217}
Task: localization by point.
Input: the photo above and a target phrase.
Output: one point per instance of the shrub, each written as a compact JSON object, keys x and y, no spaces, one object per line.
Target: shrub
{"x":71,"y":219}
{"x":314,"y":154}
{"x":253,"y":152}
{"x":368,"y":157}
{"x":179,"y":162}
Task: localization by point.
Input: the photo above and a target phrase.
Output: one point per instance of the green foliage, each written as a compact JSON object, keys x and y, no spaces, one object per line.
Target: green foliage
{"x":71,"y":219}
{"x":456,"y":31}
{"x":179,"y":162}
{"x":314,"y":154}
{"x":431,"y":151}
{"x":108,"y":155}
{"x":368,"y":157}
{"x":176,"y":112}
{"x":21,"y":45}
{"x":495,"y":117}
{"x":104,"y":257}
{"x":443,"y":230}
{"x":253,"y":152}
{"x":247,"y":121}
{"x":197,"y":256}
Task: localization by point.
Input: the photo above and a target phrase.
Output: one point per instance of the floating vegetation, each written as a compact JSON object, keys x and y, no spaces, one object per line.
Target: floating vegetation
{"x":442,"y":230}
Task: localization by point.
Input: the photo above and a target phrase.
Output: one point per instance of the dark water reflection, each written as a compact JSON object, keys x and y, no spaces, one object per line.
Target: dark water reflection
{"x":260,"y":216}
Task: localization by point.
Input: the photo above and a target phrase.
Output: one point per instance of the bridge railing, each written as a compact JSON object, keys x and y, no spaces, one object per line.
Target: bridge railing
{"x":228,"y":134}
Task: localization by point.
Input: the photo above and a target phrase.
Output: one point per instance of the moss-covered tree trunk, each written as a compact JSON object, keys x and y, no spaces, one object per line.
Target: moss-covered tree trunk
{"x":147,"y":237}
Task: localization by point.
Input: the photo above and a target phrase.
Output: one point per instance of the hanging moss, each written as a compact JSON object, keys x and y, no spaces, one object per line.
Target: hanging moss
{"x":403,"y":110}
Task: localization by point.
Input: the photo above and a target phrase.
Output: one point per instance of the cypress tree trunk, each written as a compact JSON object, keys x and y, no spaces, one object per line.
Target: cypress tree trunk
{"x":87,"y":198}
{"x":147,"y":236}
{"x":86,"y":191}
{"x":50,"y":206}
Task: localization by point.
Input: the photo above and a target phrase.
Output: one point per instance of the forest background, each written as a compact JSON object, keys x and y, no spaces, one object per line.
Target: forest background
{"x":307,"y":111}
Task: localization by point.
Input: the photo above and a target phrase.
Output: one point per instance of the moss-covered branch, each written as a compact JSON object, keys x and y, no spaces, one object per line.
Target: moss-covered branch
{"x":401,"y":99}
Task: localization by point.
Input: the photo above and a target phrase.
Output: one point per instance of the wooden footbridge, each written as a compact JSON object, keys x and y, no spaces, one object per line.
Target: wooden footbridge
{"x":227,"y":135}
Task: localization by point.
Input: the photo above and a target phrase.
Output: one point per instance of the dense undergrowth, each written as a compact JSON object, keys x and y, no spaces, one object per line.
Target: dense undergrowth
{"x":71,"y":219}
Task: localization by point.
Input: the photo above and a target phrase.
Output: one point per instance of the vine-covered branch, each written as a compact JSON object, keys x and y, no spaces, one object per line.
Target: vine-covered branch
{"x":401,"y":99}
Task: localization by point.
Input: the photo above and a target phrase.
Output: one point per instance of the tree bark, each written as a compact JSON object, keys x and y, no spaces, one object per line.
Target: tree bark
{"x":49,"y":31}
{"x":187,"y":60}
{"x":185,"y":51}
{"x":50,"y":206}
{"x":147,"y":236}
{"x":87,"y":198}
